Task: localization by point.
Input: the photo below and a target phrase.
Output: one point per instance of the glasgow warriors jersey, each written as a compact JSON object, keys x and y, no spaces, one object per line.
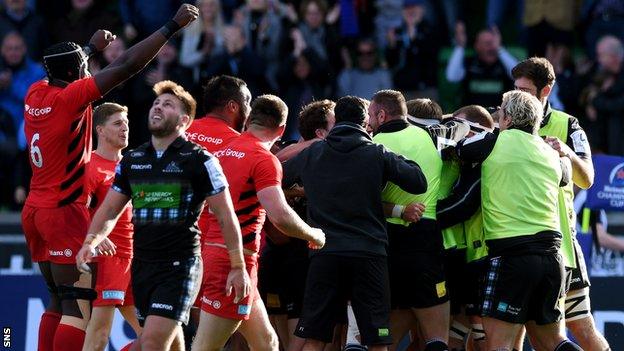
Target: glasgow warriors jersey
{"x":168,"y":194}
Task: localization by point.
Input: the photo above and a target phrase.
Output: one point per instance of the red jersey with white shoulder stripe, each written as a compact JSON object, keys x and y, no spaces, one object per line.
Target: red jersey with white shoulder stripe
{"x":57,"y":125}
{"x":100,"y":177}
{"x":249,"y":167}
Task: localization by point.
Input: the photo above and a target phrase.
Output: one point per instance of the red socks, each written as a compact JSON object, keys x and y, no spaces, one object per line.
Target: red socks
{"x":127,"y":347}
{"x":47,"y":329}
{"x":68,"y":338}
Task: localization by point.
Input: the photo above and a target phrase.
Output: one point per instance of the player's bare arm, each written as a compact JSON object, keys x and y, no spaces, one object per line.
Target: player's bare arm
{"x":582,"y":167}
{"x":136,"y":58}
{"x":102,"y":224}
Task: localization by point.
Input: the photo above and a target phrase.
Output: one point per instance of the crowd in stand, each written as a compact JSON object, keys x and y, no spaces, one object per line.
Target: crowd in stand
{"x":305,"y":50}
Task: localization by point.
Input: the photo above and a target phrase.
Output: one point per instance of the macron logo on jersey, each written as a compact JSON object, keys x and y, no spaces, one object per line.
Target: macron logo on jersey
{"x":36,"y":112}
{"x":197,"y":137}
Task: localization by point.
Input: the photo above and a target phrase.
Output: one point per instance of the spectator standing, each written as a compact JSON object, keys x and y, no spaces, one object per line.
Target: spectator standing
{"x":368,"y":77}
{"x":302,"y":80}
{"x":17,"y":73}
{"x":549,"y":22}
{"x":318,"y":35}
{"x":17,"y":16}
{"x":203,"y":39}
{"x":412,"y":53}
{"x":603,"y":17}
{"x":607,"y":101}
{"x":486,"y":76}
{"x":238,"y":60}
{"x":142,"y":17}
{"x":262,"y":25}
{"x":84,"y":18}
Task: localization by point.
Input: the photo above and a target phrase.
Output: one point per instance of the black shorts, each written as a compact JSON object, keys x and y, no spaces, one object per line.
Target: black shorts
{"x":474,"y":283}
{"x":579,"y":278}
{"x":166,"y":288}
{"x":282,"y":277}
{"x":524,"y":288}
{"x":417,"y":278}
{"x":456,"y":278}
{"x":332,"y":281}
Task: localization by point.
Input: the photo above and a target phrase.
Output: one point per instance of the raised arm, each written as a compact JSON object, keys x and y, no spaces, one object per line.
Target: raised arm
{"x":138,"y":56}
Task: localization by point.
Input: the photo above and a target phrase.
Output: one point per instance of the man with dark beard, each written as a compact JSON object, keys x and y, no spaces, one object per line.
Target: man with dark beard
{"x":168,"y":180}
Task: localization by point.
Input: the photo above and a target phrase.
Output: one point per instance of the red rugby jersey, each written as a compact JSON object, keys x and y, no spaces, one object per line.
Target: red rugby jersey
{"x":212,"y":134}
{"x":249,"y":168}
{"x":57,"y":124}
{"x":100,"y":176}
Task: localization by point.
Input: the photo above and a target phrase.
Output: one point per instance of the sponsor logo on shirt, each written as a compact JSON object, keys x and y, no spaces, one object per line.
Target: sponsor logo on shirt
{"x":204,"y":138}
{"x":113,"y":295}
{"x":162,"y":306}
{"x":216,"y":304}
{"x":66,"y":252}
{"x":141,"y":167}
{"x":33,"y":111}
{"x":172,"y":168}
{"x":156,"y":195}
{"x":244,"y":309}
{"x":229,"y":153}
{"x":137,"y":154}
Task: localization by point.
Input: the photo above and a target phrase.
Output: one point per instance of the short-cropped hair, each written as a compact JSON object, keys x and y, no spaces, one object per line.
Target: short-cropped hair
{"x":424,"y":108}
{"x":351,"y":109}
{"x":391,"y":101}
{"x":104,"y":111}
{"x":189,"y":105}
{"x":268,"y":111}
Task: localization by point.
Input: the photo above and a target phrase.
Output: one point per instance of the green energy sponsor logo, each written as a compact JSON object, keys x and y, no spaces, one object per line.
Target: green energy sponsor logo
{"x":156,"y":195}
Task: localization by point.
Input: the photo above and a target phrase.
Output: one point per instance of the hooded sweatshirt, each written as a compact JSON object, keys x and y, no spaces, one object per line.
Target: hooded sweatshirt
{"x":343,"y":177}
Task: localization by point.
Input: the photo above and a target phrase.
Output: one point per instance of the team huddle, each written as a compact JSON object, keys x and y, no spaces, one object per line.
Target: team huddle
{"x":386,"y":217}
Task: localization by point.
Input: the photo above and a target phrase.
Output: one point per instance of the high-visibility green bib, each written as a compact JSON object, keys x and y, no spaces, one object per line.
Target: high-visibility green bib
{"x":453,"y":237}
{"x":557,"y":126}
{"x":520,"y":186}
{"x":414,"y":144}
{"x":475,"y":237}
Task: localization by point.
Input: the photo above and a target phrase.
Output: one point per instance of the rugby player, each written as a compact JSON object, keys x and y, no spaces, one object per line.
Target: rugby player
{"x":254,"y":174}
{"x":58,"y":131}
{"x":536,"y":76}
{"x":110,"y":275}
{"x":168,"y":180}
{"x":520,"y":181}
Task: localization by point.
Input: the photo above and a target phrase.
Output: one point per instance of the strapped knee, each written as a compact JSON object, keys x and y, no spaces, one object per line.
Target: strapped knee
{"x":67,"y":292}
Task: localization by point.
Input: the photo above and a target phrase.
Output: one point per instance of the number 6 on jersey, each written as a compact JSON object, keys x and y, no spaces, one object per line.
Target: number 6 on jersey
{"x":35,"y":152}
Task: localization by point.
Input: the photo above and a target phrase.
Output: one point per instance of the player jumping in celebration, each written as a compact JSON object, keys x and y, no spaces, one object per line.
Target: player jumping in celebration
{"x":58,"y":119}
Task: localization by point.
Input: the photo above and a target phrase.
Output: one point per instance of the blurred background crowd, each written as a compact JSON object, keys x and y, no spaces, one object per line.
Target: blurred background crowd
{"x":454,"y":52}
